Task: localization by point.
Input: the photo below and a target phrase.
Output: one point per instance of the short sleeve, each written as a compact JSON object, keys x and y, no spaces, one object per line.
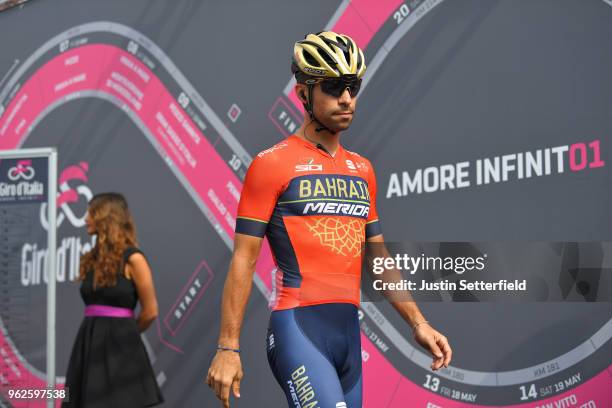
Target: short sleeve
{"x":373,"y":226}
{"x":260,"y":191}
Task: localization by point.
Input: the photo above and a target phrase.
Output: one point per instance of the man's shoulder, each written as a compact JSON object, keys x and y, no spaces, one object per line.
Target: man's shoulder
{"x":355,"y":155}
{"x":274,"y":159}
{"x":275,"y":150}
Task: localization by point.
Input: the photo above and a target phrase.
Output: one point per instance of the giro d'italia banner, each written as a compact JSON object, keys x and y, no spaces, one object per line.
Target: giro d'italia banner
{"x":488,"y":124}
{"x":24,"y":184}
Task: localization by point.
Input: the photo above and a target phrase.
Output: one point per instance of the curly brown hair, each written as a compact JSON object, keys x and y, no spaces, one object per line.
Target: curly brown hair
{"x":115,"y":231}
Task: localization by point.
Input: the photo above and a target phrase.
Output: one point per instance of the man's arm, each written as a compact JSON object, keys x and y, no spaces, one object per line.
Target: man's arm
{"x":424,"y":334}
{"x":225,"y":371}
{"x":237,"y":288}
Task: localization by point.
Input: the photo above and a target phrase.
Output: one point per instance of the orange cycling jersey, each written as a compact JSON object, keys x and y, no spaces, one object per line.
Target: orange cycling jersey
{"x":316,"y":211}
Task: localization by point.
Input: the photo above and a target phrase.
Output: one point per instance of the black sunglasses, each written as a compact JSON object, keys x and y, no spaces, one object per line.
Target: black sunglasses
{"x":336,"y":86}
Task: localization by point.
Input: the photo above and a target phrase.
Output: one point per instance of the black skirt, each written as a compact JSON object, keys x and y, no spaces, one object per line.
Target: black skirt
{"x":109,"y":367}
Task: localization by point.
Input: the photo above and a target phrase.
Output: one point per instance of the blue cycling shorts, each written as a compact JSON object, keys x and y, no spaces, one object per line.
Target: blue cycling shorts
{"x":315,"y":355}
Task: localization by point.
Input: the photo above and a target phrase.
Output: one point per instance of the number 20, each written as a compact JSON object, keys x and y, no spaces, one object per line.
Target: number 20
{"x":401,"y":13}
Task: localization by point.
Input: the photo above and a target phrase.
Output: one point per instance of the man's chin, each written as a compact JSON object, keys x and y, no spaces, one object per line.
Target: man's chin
{"x":337,"y":129}
{"x":341,"y":126}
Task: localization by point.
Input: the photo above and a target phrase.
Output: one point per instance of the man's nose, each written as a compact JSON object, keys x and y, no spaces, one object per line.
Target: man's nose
{"x":345,"y":97}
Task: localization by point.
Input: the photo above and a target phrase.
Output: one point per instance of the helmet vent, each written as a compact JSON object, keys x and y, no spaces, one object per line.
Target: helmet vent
{"x":310,"y":59}
{"x":326,"y":57}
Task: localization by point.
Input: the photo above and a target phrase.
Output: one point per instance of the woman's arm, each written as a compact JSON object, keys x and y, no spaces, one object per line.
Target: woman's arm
{"x":143,"y":280}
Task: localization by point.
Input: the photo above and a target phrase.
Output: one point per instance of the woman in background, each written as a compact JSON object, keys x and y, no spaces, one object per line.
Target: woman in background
{"x":109,"y":366}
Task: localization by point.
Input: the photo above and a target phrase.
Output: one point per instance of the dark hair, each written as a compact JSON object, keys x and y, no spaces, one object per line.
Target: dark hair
{"x":115,"y":232}
{"x":300,"y":77}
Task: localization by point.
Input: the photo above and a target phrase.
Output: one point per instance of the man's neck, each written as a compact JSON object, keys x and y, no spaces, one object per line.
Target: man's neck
{"x":330,"y":141}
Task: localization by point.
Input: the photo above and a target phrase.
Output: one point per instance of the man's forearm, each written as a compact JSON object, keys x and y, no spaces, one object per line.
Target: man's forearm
{"x":409,"y":311}
{"x":235,"y":297}
{"x":402,"y":300}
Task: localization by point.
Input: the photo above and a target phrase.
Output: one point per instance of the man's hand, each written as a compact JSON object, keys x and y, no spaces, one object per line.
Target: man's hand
{"x":225,"y":372}
{"x":435,"y":343}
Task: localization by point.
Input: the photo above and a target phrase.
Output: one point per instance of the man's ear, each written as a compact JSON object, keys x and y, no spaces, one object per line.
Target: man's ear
{"x":301,"y":94}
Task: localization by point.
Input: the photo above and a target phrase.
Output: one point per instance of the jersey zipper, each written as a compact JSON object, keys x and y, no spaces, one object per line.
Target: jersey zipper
{"x":327,"y":153}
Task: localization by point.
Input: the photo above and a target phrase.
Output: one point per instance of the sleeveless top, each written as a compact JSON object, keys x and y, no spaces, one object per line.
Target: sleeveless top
{"x":123,"y":294}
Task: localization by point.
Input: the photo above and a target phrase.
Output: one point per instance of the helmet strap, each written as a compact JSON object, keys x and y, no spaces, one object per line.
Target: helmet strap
{"x":310,"y":110}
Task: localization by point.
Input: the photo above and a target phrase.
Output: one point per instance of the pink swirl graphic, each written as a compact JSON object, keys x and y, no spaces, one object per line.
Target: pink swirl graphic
{"x":117,"y":73}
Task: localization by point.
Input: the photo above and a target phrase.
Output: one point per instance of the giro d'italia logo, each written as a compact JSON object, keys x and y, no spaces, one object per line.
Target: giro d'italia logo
{"x":22,"y":181}
{"x":22,"y":171}
{"x":71,"y":206}
{"x":72,"y":191}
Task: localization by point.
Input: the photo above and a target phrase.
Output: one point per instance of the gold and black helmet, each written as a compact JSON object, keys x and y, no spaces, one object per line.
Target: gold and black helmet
{"x":327,"y":55}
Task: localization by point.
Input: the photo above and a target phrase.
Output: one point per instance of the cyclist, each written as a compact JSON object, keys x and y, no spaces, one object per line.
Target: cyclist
{"x":316,"y":203}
